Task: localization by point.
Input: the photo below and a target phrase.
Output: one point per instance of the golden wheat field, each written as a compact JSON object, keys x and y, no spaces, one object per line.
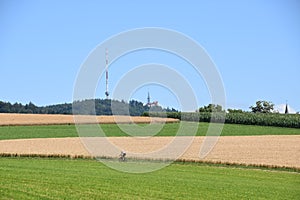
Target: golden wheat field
{"x":250,"y":150}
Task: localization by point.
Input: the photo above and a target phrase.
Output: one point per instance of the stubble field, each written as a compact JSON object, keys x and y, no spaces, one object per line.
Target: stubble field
{"x":46,"y":119}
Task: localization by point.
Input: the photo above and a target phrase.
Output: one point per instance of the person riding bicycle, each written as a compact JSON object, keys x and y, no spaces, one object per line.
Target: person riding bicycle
{"x":122,"y":155}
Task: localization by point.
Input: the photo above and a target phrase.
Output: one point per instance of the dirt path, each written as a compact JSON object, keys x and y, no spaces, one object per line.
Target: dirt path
{"x":45,"y":119}
{"x":267,"y":150}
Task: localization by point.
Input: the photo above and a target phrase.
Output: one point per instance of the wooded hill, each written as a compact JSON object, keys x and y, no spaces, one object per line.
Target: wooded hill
{"x":87,"y":107}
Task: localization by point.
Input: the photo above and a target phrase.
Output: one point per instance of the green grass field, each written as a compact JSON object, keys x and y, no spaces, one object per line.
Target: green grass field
{"x":36,"y":178}
{"x":56,"y":131}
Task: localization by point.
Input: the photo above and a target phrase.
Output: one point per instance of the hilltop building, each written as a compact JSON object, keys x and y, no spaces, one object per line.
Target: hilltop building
{"x":149,"y":103}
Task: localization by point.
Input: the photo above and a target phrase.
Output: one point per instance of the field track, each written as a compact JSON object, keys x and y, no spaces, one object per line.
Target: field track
{"x":45,"y":119}
{"x":255,"y":150}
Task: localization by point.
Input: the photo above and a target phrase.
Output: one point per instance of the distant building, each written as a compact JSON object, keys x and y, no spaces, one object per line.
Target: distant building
{"x":149,"y":103}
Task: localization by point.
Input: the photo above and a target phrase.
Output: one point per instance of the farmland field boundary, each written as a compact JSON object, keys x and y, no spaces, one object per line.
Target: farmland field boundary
{"x":177,"y":161}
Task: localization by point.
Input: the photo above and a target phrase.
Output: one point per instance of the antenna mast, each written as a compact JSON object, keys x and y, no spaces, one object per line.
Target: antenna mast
{"x":106,"y":73}
{"x":148,"y":98}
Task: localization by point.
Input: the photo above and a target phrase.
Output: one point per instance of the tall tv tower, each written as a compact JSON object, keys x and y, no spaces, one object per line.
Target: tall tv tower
{"x":106,"y":73}
{"x":148,"y":99}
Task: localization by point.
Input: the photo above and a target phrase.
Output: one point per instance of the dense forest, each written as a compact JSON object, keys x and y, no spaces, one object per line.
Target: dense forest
{"x":91,"y":106}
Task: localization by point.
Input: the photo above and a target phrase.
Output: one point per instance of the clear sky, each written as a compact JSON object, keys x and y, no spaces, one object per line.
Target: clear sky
{"x":255,"y":45}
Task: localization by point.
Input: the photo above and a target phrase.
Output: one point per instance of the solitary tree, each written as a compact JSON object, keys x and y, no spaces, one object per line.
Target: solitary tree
{"x":262,"y":107}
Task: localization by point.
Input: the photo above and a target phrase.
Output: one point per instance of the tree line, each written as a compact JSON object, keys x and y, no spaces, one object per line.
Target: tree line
{"x":262,"y":114}
{"x":88,"y":107}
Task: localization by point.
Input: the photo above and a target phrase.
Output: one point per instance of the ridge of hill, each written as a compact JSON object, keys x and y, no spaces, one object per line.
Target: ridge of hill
{"x":86,"y":107}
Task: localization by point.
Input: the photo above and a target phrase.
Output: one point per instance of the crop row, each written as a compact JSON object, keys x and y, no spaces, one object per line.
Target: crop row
{"x":246,"y":118}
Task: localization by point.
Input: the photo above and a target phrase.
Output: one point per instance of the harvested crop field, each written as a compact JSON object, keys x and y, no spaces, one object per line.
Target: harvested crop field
{"x":250,"y":150}
{"x":46,"y":119}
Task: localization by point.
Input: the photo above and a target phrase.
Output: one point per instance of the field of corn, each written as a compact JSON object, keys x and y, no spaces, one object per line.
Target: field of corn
{"x":246,"y":118}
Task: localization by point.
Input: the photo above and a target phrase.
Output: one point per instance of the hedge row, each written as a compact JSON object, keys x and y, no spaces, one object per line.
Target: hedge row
{"x":247,"y":118}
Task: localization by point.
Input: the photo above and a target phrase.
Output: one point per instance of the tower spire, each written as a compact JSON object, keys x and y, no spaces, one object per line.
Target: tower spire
{"x":286,"y":108}
{"x":106,"y":73}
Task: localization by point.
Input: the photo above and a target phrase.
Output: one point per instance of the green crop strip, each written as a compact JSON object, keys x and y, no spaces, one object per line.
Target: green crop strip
{"x":36,"y":178}
{"x":58,"y":131}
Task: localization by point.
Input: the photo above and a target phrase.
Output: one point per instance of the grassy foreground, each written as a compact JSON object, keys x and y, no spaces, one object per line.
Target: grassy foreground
{"x":36,"y":178}
{"x":56,"y":131}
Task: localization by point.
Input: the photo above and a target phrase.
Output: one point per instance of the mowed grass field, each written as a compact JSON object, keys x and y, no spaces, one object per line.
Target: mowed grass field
{"x":58,"y":131}
{"x":36,"y":178}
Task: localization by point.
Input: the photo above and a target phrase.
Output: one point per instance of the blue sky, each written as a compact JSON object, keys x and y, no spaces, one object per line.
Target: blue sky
{"x":254,"y":44}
